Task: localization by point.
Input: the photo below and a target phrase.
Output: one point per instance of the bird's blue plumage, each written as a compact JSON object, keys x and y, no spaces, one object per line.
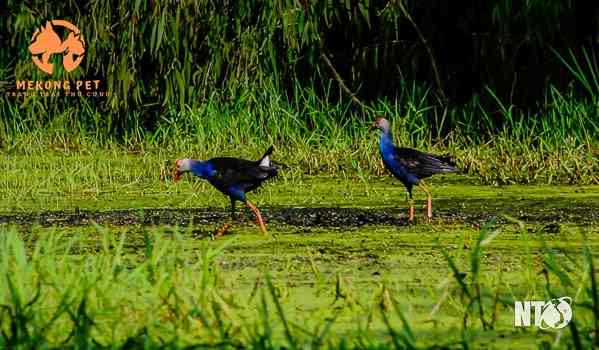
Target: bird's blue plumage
{"x":236,"y":193}
{"x":204,"y":170}
{"x":391,"y":161}
{"x":233,"y":177}
{"x":410,"y":166}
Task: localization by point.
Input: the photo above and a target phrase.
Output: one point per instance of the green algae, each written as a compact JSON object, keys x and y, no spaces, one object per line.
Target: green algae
{"x":109,"y":181}
{"x":131,"y":183}
{"x":317,"y":271}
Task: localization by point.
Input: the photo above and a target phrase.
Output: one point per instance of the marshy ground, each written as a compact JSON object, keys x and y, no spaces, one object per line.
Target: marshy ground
{"x":341,"y":255}
{"x":99,"y":249}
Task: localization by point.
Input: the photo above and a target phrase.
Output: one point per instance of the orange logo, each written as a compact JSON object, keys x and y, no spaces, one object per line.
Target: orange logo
{"x":46,"y":42}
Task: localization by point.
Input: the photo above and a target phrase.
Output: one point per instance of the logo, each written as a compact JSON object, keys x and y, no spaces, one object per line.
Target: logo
{"x":57,"y":38}
{"x":555,"y":313}
{"x":46,"y":42}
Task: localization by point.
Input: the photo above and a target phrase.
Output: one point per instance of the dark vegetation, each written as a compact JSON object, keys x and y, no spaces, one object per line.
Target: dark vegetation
{"x":162,"y":57}
{"x":509,"y":87}
{"x":99,"y":249}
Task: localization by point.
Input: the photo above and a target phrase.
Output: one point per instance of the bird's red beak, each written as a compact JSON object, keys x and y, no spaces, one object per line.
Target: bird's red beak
{"x":176,"y":173}
{"x":375,"y":124}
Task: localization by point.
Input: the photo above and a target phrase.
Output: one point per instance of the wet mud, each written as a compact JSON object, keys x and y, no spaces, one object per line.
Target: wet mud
{"x":305,"y":217}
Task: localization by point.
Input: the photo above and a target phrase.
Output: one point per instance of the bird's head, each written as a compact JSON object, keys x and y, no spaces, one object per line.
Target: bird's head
{"x":181,"y":166}
{"x":381,"y":123}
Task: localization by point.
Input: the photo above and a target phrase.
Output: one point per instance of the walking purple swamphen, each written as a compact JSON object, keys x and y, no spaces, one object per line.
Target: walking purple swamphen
{"x":411,"y":166}
{"x":234,"y":177}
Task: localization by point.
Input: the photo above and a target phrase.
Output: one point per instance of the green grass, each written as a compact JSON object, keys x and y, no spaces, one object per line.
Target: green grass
{"x":123,"y":287}
{"x":109,"y":180}
{"x":136,"y":286}
{"x":234,"y":83}
{"x":498,"y":144}
{"x":555,"y":141}
{"x":221,"y":81}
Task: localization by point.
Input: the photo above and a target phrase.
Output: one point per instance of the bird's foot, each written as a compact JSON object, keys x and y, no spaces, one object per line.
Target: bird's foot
{"x":221,"y":231}
{"x":411,"y":215}
{"x":428,"y":216}
{"x":429,"y":208}
{"x":259,"y":220}
{"x":262,"y":226}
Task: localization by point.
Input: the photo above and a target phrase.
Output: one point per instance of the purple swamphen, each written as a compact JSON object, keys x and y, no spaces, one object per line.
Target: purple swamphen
{"x":234,"y":177}
{"x":410,"y":166}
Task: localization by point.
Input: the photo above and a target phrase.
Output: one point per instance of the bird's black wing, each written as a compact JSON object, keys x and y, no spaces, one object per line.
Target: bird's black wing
{"x":423,"y":165}
{"x":245,"y":174}
{"x":235,"y":170}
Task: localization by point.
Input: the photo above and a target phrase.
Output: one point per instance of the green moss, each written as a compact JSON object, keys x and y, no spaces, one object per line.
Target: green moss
{"x":162,"y":283}
{"x":316,"y":272}
{"x":105,"y":181}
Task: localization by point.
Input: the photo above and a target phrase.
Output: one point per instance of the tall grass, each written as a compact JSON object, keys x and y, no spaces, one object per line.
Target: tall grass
{"x":316,"y":137}
{"x":162,"y":53}
{"x":192,"y":77}
{"x":73,"y":292}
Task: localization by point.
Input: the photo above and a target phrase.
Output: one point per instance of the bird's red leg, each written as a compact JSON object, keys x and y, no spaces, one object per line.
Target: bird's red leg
{"x":429,"y":212}
{"x":221,"y":231}
{"x":429,"y":200}
{"x":258,"y":216}
{"x":411,"y":210}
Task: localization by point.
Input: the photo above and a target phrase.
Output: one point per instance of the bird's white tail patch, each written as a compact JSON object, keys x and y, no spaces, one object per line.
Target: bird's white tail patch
{"x":265,"y":162}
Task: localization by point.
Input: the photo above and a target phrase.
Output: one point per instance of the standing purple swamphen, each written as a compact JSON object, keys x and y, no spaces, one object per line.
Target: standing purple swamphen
{"x":411,"y":166}
{"x":234,"y":177}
